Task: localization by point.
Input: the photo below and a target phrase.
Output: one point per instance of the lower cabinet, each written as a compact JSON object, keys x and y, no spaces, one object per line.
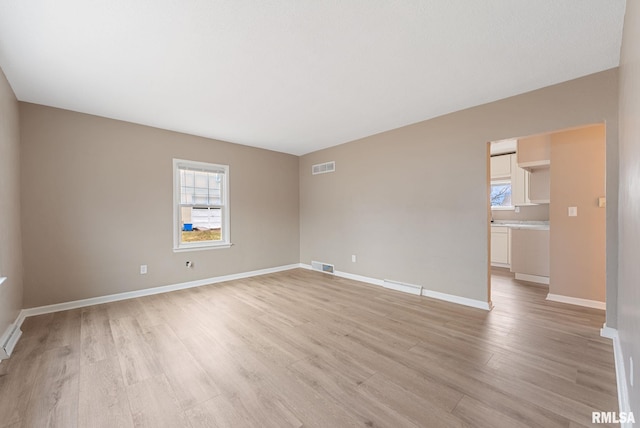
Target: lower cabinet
{"x":531,"y":254}
{"x":500,"y":246}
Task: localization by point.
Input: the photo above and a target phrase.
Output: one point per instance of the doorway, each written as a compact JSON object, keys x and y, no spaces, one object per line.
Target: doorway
{"x":552,"y":230}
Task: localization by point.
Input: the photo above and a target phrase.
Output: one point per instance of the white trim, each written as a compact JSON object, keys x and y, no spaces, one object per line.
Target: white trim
{"x":538,"y":164}
{"x":621,"y":377}
{"x":202,"y":247}
{"x":533,"y":278}
{"x":149,"y":291}
{"x":501,"y":265}
{"x":577,"y":301}
{"x":9,"y":341}
{"x":403,"y":286}
{"x":608,"y":332}
{"x":479,"y":304}
{"x":10,"y":337}
{"x":360,"y":278}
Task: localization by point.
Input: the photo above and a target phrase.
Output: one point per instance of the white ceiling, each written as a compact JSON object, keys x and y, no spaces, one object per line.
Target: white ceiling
{"x":297,"y":75}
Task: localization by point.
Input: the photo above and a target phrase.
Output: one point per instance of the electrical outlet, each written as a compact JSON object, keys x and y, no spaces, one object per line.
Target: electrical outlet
{"x":517,"y":209}
{"x":573,"y":212}
{"x":353,"y":258}
{"x":143,"y":269}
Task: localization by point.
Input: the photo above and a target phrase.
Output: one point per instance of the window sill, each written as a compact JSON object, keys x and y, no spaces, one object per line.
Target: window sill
{"x":202,"y":247}
{"x":503,"y":208}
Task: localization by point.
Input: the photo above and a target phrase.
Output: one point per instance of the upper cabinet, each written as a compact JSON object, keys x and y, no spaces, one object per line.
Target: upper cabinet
{"x":534,"y":152}
{"x":534,"y":156}
{"x":500,"y":167}
{"x":519,"y":185}
{"x":540,"y":186}
{"x":505,"y":169}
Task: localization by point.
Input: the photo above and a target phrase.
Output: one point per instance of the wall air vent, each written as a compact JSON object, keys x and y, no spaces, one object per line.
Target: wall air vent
{"x":401,"y":286}
{"x":322,"y":267}
{"x":323,"y":168}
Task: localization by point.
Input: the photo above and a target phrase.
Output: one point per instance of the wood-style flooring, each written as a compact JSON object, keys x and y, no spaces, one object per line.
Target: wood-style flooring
{"x":301,"y":348}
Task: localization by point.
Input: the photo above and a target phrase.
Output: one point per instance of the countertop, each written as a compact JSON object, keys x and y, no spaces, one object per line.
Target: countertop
{"x":514,"y":224}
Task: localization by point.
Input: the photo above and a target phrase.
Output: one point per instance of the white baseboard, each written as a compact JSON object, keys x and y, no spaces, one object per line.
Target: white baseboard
{"x":10,"y":338}
{"x":479,"y":304}
{"x":576,"y":301}
{"x":402,"y":286}
{"x":360,"y":278}
{"x":608,"y":332}
{"x":621,"y":378}
{"x":533,"y":278}
{"x":501,"y":265}
{"x":149,"y":291}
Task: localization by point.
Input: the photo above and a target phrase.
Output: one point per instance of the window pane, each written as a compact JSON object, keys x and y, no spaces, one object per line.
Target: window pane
{"x":201,"y":224}
{"x":501,"y":195}
{"x":201,"y":187}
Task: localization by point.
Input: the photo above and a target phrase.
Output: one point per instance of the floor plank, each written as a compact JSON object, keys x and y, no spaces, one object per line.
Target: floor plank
{"x":103,"y":400}
{"x":301,"y":348}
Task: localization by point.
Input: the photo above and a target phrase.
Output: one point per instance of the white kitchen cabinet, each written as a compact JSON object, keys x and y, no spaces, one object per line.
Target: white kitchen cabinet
{"x":519,"y":185}
{"x":530,"y":255}
{"x":534,"y":152}
{"x":540,"y":186}
{"x":501,"y":166}
{"x":500,"y":246}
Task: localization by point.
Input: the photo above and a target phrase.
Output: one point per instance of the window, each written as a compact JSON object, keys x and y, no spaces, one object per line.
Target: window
{"x":501,"y":194}
{"x":201,"y":205}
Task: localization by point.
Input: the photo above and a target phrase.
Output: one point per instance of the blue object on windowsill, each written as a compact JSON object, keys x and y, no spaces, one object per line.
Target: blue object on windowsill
{"x":187,"y":227}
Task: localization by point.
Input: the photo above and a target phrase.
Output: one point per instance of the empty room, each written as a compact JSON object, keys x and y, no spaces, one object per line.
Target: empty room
{"x":319,"y":214}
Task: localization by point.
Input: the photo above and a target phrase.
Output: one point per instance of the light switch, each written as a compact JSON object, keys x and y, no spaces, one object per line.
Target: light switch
{"x":602,"y":202}
{"x":573,"y":211}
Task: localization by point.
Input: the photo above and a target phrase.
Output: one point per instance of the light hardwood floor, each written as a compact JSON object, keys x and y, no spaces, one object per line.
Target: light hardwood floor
{"x":301,"y":348}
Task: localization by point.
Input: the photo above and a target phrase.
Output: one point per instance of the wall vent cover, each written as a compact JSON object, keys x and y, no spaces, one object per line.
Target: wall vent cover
{"x":323,"y":168}
{"x":322,"y":267}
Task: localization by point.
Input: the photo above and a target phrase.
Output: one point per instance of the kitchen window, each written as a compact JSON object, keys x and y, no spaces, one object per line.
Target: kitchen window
{"x":201,"y":205}
{"x":500,"y":196}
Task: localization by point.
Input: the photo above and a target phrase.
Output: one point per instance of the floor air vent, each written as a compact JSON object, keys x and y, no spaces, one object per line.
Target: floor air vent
{"x":323,"y":168}
{"x":401,"y":286}
{"x":322,"y":267}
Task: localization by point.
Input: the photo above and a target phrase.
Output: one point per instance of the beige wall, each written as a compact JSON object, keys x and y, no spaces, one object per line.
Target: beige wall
{"x":629,"y":285}
{"x":10,"y":240}
{"x":97,"y":203}
{"x":412,"y":203}
{"x":577,"y":245}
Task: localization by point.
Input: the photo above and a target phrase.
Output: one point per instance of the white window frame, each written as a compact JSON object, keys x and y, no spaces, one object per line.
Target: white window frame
{"x":499,"y":182}
{"x":225,"y":233}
